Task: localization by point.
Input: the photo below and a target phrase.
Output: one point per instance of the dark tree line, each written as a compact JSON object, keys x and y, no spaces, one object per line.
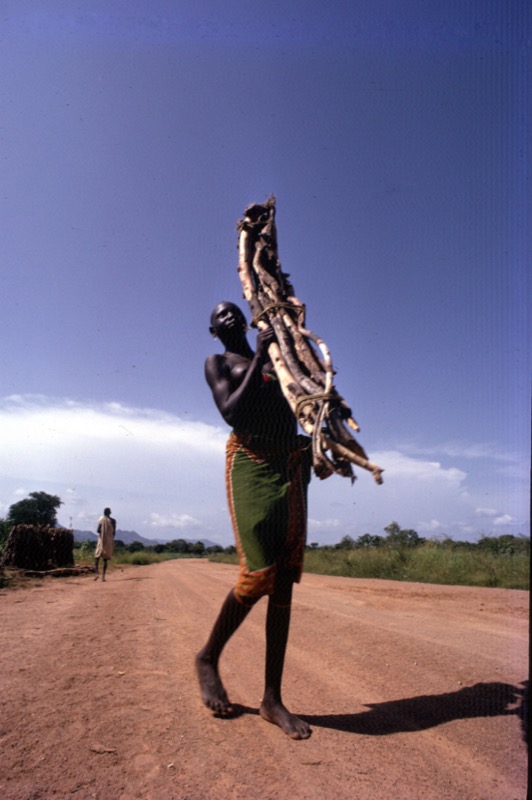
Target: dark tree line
{"x":40,"y":509}
{"x":180,"y":546}
{"x":398,"y":538}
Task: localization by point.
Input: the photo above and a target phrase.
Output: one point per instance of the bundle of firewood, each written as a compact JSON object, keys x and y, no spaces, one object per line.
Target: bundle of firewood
{"x":301,"y":359}
{"x":38,"y":547}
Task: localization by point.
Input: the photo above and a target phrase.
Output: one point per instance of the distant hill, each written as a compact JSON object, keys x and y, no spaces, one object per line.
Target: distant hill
{"x":132,"y":536}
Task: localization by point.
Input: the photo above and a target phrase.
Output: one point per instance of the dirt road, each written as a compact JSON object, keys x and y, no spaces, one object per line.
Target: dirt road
{"x":412,"y":691}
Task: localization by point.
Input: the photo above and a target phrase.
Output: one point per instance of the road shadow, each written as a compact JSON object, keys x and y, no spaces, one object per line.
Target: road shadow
{"x":428,"y":711}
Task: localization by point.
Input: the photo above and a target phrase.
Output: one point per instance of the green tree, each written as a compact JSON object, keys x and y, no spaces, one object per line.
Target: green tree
{"x":39,"y":508}
{"x":505,"y":545}
{"x":397,"y":537}
{"x":4,"y":533}
{"x":346,"y":543}
{"x":213,"y":548}
{"x":177,"y":546}
{"x":369,"y":540}
{"x":198,"y":548}
{"x":134,"y":547}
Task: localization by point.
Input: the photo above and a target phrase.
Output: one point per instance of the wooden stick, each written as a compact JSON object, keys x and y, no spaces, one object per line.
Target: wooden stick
{"x":301,"y":359}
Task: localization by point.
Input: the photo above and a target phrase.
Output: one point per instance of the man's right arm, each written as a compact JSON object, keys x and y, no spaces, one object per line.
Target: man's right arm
{"x":232,"y":400}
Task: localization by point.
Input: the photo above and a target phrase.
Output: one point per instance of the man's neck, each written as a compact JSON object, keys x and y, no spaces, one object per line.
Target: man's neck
{"x":238,"y":348}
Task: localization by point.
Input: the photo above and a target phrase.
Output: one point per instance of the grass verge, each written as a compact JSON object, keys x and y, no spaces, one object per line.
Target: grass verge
{"x":425,"y":564}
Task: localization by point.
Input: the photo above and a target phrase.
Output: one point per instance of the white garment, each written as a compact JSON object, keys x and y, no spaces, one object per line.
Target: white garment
{"x":106,"y":540}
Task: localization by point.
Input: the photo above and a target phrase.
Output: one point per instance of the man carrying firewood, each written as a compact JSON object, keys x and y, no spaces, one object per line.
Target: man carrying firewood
{"x":267,"y":471}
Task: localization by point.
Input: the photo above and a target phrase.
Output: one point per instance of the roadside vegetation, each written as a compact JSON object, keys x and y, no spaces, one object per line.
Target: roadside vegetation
{"x":403,"y":555}
{"x":139,"y":554}
{"x":489,"y":562}
{"x":400,"y":554}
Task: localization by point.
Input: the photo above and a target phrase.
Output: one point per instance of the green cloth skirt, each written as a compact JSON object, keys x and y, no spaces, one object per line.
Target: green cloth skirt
{"x":267,"y":495}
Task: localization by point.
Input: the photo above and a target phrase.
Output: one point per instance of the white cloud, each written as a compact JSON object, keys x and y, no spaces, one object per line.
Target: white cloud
{"x":486,"y":451}
{"x":179,"y":521}
{"x":161,"y":474}
{"x":429,"y":527}
{"x":73,"y":498}
{"x":44,"y":421}
{"x":504,"y":519}
{"x":486,"y":512}
{"x":323,"y":524}
{"x":93,"y":455}
{"x":397,"y":465}
{"x":497,"y":518}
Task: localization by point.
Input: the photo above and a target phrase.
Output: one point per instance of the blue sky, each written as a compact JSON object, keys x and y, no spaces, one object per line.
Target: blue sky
{"x":395,"y":138}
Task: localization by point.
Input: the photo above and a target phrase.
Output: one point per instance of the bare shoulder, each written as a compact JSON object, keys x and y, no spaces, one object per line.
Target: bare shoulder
{"x":215,"y":361}
{"x":215,"y":367}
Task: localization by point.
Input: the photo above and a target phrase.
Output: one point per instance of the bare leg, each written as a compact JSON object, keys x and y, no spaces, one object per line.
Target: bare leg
{"x":231,"y":616}
{"x":104,"y":568}
{"x":277,"y":626}
{"x":96,"y":562}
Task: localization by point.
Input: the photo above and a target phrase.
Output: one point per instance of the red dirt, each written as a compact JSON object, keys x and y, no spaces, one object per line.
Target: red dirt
{"x":412,"y":691}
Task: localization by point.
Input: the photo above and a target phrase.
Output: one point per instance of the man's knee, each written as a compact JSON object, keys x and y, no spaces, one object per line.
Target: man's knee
{"x":245,"y":600}
{"x":282,"y":593}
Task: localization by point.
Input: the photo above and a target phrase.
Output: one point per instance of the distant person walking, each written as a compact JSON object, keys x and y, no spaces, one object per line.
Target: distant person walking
{"x":106,"y":541}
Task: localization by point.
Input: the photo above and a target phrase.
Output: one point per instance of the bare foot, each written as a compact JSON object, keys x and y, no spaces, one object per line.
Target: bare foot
{"x":96,"y":578}
{"x":213,"y":693}
{"x":293,"y":726}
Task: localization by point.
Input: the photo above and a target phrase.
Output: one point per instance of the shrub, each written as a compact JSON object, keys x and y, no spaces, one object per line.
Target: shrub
{"x":428,"y":563}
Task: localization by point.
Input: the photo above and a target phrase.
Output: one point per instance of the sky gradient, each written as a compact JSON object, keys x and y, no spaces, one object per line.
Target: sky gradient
{"x":395,"y":137}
